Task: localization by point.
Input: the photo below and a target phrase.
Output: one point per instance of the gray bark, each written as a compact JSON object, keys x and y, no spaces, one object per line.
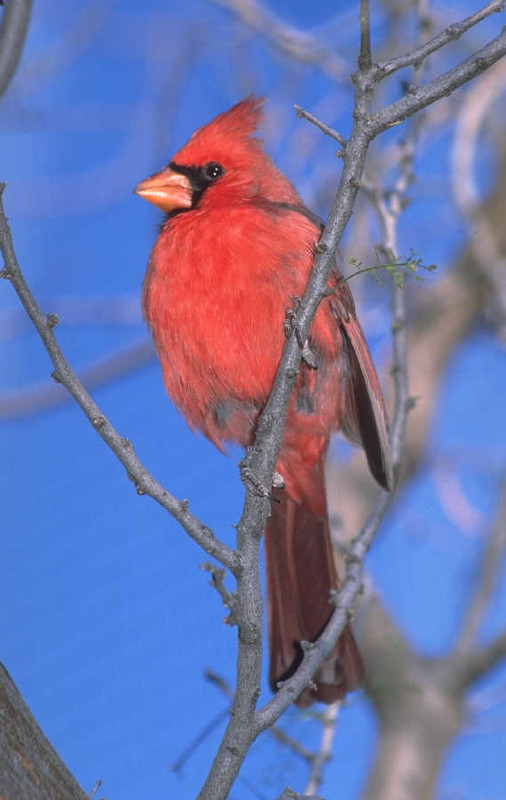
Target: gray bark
{"x":30,"y":769}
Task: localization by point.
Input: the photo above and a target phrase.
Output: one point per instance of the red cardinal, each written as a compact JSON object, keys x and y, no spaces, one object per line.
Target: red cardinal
{"x":235,"y":250}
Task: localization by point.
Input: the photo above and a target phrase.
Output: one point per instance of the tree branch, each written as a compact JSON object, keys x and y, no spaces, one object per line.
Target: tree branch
{"x":440,"y":87}
{"x":364,"y":56}
{"x":326,"y":129}
{"x":15,"y":19}
{"x":485,"y":583}
{"x":41,"y":395}
{"x":480,"y":660}
{"x":286,"y":38}
{"x":490,"y":261}
{"x":144,"y":482}
{"x":450,"y":34}
{"x":324,"y":752}
{"x":28,"y":762}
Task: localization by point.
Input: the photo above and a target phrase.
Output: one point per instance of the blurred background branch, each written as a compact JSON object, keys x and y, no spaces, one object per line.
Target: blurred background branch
{"x":14,"y":17}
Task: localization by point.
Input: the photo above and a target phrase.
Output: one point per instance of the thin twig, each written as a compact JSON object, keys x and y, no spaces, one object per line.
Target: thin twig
{"x":95,"y":789}
{"x":218,"y":582}
{"x":190,"y":749}
{"x":324,"y":752}
{"x":326,"y":129}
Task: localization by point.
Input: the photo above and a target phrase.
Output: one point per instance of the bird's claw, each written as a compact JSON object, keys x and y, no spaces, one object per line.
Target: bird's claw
{"x":291,"y":326}
{"x":308,"y":356}
{"x":255,"y":486}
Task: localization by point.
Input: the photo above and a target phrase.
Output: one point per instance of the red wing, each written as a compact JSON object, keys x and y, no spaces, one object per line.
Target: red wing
{"x":364,"y":419}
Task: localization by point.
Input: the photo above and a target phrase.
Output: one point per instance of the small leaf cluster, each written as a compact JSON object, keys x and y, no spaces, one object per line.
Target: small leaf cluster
{"x":400,"y":269}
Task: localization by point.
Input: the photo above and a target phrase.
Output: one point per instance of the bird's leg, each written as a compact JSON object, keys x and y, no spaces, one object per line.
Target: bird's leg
{"x":291,"y":326}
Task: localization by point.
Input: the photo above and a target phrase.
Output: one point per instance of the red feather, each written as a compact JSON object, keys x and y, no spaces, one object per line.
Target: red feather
{"x":236,"y":248}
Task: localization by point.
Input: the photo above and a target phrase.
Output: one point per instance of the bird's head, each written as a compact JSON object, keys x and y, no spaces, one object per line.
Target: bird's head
{"x":222,"y":163}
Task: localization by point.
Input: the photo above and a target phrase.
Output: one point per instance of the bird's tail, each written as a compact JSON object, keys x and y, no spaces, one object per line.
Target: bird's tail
{"x":301,"y":574}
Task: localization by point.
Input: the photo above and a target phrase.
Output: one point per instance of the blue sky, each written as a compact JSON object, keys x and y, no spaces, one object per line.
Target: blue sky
{"x":108,"y":623}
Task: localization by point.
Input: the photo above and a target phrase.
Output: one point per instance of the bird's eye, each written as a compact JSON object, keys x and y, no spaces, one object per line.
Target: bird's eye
{"x":213,"y":171}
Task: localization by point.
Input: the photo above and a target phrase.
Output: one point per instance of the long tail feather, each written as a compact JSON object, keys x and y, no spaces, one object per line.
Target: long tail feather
{"x":300,"y":577}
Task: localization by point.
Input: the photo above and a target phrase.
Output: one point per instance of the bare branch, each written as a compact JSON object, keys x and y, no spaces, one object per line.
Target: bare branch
{"x":218,"y":582}
{"x":286,"y":38}
{"x":440,"y":87}
{"x":15,"y":19}
{"x":200,"y":738}
{"x":364,"y":56}
{"x":490,"y":261}
{"x":65,"y":47}
{"x":145,"y":483}
{"x":485,"y":585}
{"x":483,"y":659}
{"x":326,"y":129}
{"x":324,"y":752}
{"x":122,"y":310}
{"x":292,"y":744}
{"x":450,"y":34}
{"x":98,"y":784}
{"x":43,"y":395}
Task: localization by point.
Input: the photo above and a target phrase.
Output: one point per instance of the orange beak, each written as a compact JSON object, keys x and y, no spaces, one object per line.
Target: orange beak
{"x":167,"y":190}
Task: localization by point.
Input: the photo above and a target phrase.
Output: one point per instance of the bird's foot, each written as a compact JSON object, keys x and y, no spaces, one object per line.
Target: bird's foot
{"x":290,"y":323}
{"x":308,"y":356}
{"x":251,"y":482}
{"x":291,"y":326}
{"x":255,"y":486}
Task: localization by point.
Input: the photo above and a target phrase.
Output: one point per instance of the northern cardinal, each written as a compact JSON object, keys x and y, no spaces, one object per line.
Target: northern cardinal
{"x":233,"y":253}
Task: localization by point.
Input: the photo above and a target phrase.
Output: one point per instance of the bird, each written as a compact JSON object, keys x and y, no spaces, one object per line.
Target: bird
{"x":233,"y":254}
